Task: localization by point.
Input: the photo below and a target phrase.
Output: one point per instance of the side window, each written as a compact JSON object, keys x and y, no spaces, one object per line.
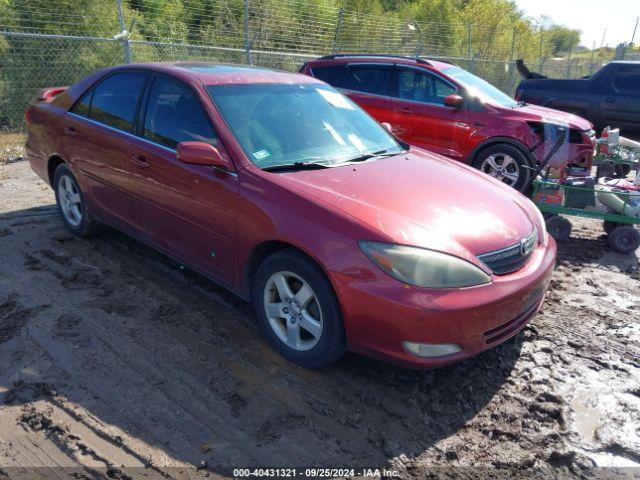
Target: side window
{"x":331,"y":75}
{"x":366,"y":79}
{"x":627,"y":81}
{"x":115,"y":99}
{"x":422,"y":87}
{"x":83,"y":107}
{"x":174,"y":114}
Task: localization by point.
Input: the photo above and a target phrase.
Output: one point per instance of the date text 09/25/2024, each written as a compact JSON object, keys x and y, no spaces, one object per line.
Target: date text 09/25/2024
{"x":312,"y":472}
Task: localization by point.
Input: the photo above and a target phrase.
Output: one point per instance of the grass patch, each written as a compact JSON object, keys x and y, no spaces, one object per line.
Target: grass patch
{"x":11,"y":146}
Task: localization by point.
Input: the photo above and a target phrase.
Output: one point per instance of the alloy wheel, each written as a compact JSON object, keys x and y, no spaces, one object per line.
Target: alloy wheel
{"x":70,"y":201}
{"x":502,"y":167}
{"x":293,"y":310}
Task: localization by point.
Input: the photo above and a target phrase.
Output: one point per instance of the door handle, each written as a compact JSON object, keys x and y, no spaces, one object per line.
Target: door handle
{"x":610,"y":100}
{"x":405,"y":110}
{"x":70,"y":131}
{"x":139,"y":160}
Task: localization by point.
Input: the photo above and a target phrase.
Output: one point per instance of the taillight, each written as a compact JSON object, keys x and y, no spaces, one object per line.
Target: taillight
{"x":518,"y":94}
{"x":27,"y":116}
{"x":48,"y":94}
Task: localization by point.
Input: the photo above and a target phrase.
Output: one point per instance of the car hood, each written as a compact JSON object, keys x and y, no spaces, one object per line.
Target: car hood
{"x":424,"y":200}
{"x":536,"y":113}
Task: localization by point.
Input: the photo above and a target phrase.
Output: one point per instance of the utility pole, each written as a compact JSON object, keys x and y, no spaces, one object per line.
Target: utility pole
{"x":633,"y":37}
{"x":603,"y":35}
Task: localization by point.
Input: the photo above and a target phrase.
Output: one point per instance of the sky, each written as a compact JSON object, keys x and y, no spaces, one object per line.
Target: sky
{"x":590,"y":16}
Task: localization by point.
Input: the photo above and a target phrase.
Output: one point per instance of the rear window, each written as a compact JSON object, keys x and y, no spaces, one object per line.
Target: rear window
{"x":366,"y":79}
{"x":331,"y":75}
{"x":83,"y":107}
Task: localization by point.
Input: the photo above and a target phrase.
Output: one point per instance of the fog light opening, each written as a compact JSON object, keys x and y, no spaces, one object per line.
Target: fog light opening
{"x":431,"y":350}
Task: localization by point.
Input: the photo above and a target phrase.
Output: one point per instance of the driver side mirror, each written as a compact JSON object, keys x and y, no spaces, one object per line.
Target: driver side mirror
{"x":454,"y":101}
{"x":201,"y":153}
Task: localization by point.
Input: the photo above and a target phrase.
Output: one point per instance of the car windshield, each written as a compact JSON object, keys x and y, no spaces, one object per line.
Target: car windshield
{"x":297,"y":124}
{"x":479,"y":88}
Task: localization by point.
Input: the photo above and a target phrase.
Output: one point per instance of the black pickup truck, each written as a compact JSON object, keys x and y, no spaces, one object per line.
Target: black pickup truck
{"x":611,"y":96}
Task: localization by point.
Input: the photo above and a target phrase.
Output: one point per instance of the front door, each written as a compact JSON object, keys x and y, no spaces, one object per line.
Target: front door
{"x":621,"y":102}
{"x":422,"y":119}
{"x":189,"y":211}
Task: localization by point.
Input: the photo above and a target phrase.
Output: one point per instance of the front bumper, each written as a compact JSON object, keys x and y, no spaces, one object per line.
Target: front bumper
{"x":580,"y":154}
{"x":381,"y":313}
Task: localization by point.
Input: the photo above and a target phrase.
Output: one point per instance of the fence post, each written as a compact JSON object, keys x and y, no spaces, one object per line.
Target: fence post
{"x":512,"y":65}
{"x":540,"y":55}
{"x":419,"y":41}
{"x":247,"y":41}
{"x":593,"y":52}
{"x":124,"y":34}
{"x":568,"y":74}
{"x":335,"y":48}
{"x":469,"y":47}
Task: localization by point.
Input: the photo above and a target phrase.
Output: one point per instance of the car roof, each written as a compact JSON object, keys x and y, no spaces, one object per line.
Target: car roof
{"x":626,"y":62}
{"x":378,"y":58}
{"x":210,"y":73}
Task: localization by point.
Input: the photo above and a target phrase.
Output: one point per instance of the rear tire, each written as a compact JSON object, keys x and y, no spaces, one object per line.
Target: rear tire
{"x":624,"y":239}
{"x":505,"y":163}
{"x":71,"y":204}
{"x":559,"y":228}
{"x":298,"y":311}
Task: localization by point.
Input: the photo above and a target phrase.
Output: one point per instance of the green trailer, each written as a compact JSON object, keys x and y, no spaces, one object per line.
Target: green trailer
{"x":550,"y":197}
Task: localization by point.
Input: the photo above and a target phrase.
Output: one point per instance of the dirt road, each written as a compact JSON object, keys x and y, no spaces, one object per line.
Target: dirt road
{"x":115,"y":360}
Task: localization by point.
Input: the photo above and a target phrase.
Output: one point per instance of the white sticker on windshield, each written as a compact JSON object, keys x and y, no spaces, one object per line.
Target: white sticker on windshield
{"x":261,"y":154}
{"x":335,"y":99}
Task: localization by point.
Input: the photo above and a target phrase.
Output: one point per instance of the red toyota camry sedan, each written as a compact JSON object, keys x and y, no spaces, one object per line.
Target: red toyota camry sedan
{"x":286,"y":192}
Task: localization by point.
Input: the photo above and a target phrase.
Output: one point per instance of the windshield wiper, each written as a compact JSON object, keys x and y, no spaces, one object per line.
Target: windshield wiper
{"x":295,"y":166}
{"x":367,"y":156}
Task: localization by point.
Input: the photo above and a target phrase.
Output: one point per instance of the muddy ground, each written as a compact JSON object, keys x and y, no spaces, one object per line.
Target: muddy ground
{"x":115,"y":361}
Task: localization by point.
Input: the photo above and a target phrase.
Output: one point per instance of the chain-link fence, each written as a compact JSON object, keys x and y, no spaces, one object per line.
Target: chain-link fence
{"x":50,"y":43}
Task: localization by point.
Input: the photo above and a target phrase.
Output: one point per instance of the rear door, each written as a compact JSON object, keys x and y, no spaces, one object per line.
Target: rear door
{"x":99,"y":127}
{"x":189,"y":211}
{"x":621,"y":101}
{"x":420,"y":116}
{"x":366,"y":84}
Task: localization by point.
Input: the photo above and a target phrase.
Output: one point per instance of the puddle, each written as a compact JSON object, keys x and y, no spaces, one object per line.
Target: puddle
{"x":586,"y":415}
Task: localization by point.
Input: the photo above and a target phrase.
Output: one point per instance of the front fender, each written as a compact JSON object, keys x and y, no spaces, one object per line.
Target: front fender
{"x":514,"y":142}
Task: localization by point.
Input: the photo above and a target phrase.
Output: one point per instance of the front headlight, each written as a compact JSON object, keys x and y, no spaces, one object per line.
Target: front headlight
{"x":424,"y":268}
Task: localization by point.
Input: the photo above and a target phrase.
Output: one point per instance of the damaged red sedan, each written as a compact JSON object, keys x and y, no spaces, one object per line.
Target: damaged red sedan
{"x":283,"y":190}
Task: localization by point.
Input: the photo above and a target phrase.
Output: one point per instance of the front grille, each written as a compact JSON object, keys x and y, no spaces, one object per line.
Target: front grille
{"x":510,"y":259}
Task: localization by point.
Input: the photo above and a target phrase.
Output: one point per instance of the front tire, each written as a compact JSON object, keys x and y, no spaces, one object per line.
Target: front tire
{"x":505,"y":163}
{"x":71,"y":204}
{"x":559,"y":228}
{"x":609,"y":226}
{"x":298,"y":311}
